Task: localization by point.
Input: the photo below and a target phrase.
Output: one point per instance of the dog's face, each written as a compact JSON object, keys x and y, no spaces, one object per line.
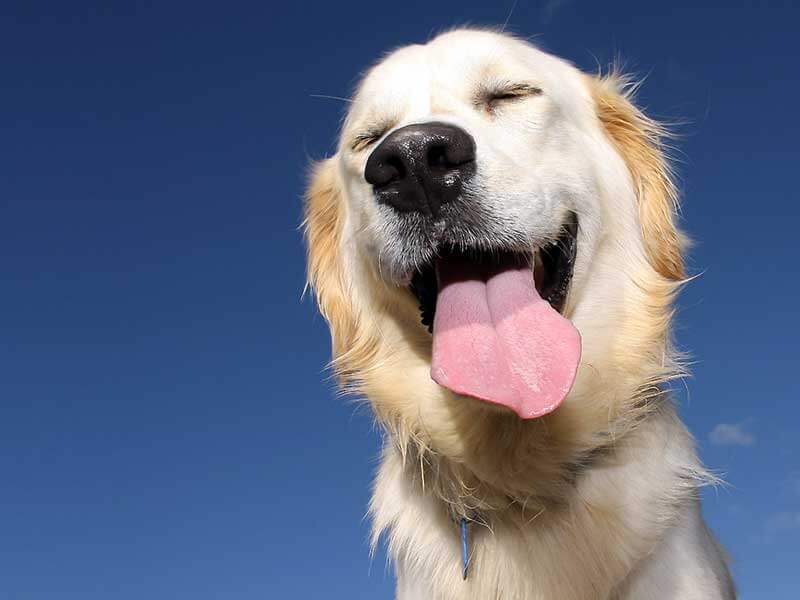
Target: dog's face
{"x":525,"y":209}
{"x":494,"y":131}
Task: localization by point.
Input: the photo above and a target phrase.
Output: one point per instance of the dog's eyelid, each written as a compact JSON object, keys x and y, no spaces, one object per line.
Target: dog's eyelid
{"x":365,"y":139}
{"x":494,"y":93}
{"x":513,"y":90}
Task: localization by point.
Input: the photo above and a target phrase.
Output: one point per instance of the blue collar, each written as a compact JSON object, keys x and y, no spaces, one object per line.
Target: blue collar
{"x":464,"y":524}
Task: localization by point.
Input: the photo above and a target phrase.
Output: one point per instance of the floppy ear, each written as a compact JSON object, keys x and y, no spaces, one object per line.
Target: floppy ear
{"x":324,"y":220}
{"x":639,"y":140}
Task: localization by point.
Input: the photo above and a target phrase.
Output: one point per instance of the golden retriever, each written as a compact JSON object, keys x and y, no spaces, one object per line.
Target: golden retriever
{"x":494,"y":247}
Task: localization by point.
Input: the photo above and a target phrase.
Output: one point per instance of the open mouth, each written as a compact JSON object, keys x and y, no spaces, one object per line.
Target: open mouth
{"x":552,"y":268}
{"x":498,"y":332}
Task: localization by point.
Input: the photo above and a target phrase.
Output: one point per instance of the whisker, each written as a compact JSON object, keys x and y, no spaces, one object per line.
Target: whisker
{"x":508,"y":18}
{"x":328,"y":97}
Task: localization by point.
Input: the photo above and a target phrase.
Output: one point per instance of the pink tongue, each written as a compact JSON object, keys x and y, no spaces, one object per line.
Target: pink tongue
{"x":495,"y":339}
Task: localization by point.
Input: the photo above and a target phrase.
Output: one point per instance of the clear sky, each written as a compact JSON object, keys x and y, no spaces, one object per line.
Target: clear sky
{"x":166,"y":430}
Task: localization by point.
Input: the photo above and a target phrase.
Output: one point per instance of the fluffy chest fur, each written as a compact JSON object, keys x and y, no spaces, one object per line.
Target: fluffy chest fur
{"x":630,"y":529}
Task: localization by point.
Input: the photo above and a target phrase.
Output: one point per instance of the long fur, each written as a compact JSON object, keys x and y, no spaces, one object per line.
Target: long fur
{"x":598,"y":499}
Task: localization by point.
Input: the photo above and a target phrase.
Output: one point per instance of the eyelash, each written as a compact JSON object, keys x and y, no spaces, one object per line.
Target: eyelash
{"x":509,"y":94}
{"x":364,"y":140}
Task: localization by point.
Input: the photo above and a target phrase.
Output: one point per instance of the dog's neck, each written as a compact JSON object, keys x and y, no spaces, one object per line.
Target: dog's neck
{"x":420,"y":506}
{"x":464,"y":495}
{"x":507,"y":464}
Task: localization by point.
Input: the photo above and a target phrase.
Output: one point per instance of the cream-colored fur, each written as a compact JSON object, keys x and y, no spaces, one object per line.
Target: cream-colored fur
{"x":600,"y":498}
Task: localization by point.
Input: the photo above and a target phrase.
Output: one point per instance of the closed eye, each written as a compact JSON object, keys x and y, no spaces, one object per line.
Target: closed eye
{"x":493,"y":97}
{"x":362,"y":141}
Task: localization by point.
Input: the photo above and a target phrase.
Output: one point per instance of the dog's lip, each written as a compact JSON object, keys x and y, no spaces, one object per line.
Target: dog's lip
{"x":552,"y":264}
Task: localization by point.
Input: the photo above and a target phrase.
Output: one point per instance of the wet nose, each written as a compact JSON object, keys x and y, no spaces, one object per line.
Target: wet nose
{"x":419,"y":168}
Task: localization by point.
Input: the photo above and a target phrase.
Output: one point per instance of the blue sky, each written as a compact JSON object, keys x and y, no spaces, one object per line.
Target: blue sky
{"x":166,"y":429}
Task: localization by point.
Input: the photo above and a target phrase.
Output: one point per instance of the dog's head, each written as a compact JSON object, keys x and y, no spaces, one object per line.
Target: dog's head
{"x":494,"y":248}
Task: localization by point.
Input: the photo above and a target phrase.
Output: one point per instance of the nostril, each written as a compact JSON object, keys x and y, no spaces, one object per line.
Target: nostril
{"x":450,"y":153}
{"x":396,"y":167}
{"x":384,"y":168}
{"x":444,"y":157}
{"x":461,"y":149}
{"x":437,"y":158}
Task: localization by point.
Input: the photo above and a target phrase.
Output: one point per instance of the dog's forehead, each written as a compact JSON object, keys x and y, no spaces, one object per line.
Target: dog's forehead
{"x":450,"y":60}
{"x":453,"y":64}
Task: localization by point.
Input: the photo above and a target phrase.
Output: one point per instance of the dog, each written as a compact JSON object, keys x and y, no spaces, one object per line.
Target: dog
{"x":495,"y":249}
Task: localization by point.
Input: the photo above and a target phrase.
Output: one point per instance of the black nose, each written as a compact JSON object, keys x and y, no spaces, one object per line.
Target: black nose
{"x":418,"y":168}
